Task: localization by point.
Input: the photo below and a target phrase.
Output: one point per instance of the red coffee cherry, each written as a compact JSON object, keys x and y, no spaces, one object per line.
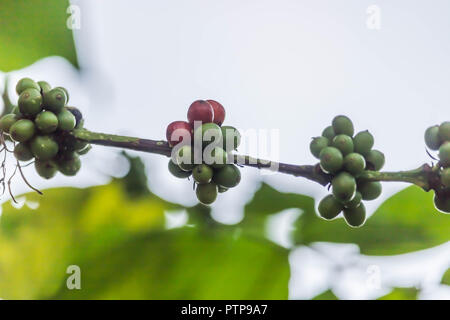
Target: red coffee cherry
{"x":219,"y":112}
{"x":200,"y":110}
{"x":184,"y":129}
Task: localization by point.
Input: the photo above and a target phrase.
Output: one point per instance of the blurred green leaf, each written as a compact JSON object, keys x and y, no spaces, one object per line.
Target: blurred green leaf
{"x":446,"y":278}
{"x":401,"y":294}
{"x":31,"y":30}
{"x":327,"y":295}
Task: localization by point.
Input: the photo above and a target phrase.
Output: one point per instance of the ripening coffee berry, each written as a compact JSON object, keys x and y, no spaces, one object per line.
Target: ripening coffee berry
{"x":354,"y":163}
{"x":46,"y":121}
{"x":30,"y":102}
{"x":206,"y":193}
{"x":355,"y":202}
{"x":442,"y":202}
{"x":432,"y":139}
{"x":22,"y":152}
{"x":375,"y":160}
{"x":208,"y":133}
{"x":363,"y":142}
{"x":202,"y":173}
{"x":69,"y":166}
{"x":317,"y":145}
{"x":344,"y":143}
{"x":329,"y":207}
{"x":65,"y":92}
{"x":46,"y":169}
{"x":444,"y":154}
{"x":44,"y":147}
{"x":355,"y":217}
{"x":22,"y":130}
{"x":78,"y":116}
{"x":44,"y":86}
{"x":344,"y":187}
{"x":445,"y":177}
{"x":178,"y":131}
{"x":200,"y":110}
{"x":343,"y":125}
{"x":185,"y":158}
{"x":66,"y":120}
{"x":231,"y":138}
{"x":370,"y":190}
{"x":26,"y":83}
{"x":331,"y":159}
{"x":219,"y":112}
{"x":229,"y":176}
{"x":176,"y":171}
{"x":7,"y":121}
{"x":55,"y":100}
{"x":444,"y":131}
{"x":222,"y":189}
{"x":329,"y":133}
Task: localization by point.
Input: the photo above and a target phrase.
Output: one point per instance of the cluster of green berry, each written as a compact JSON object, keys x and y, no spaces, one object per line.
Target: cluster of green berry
{"x":345,"y":157}
{"x":438,"y":138}
{"x":40,"y":123}
{"x":201,"y":148}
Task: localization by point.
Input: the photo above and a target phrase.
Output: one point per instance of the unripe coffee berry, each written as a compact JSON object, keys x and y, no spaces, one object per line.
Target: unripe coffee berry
{"x":26,"y":83}
{"x":22,"y":130}
{"x":355,"y":202}
{"x":78,"y":116}
{"x":231,"y":138}
{"x":46,"y":169}
{"x":363,"y":142}
{"x":355,"y":217}
{"x":202,"y":173}
{"x":444,"y":131}
{"x":22,"y":152}
{"x":445,"y":177}
{"x":329,"y":133}
{"x":344,"y":143}
{"x":317,"y":145}
{"x":206,"y":193}
{"x":178,"y":131}
{"x":69,"y":166}
{"x":30,"y":102}
{"x":46,"y":122}
{"x":432,"y":139}
{"x":343,"y":125}
{"x":442,"y":202}
{"x":200,"y":110}
{"x":444,"y":154}
{"x":66,"y":120}
{"x":375,"y":160}
{"x":354,"y":163}
{"x":65,"y":92}
{"x":370,"y":190}
{"x":344,"y":187}
{"x":185,"y":158}
{"x":331,"y":159}
{"x":44,"y":86}
{"x":229,"y":176}
{"x":176,"y":171}
{"x":7,"y":121}
{"x":329,"y":207}
{"x":208,"y":133}
{"x":219,"y":112}
{"x":44,"y":147}
{"x":222,"y":189}
{"x":217,"y":159}
{"x":55,"y":100}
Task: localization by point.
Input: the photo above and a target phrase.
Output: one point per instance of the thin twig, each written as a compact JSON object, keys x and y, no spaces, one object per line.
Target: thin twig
{"x":25,"y":180}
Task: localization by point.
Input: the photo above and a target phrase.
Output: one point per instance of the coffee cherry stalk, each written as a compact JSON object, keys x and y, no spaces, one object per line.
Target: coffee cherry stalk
{"x":50,"y":134}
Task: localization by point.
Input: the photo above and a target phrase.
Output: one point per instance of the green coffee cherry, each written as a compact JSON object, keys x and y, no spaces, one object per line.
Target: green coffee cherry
{"x":444,"y":154}
{"x":444,"y":131}
{"x":202,"y":173}
{"x":354,"y":163}
{"x":46,"y":169}
{"x":69,"y":166}
{"x":65,"y":92}
{"x":44,"y":147}
{"x":355,"y":217}
{"x":206,"y":193}
{"x":22,"y":130}
{"x":343,"y":125}
{"x":344,"y":187}
{"x":363,"y":142}
{"x":329,"y":133}
{"x":44,"y":86}
{"x":330,"y":207}
{"x":176,"y":171}
{"x":445,"y":177}
{"x":16,"y":111}
{"x":55,"y":100}
{"x":30,"y":102}
{"x":222,"y":189}
{"x":26,"y":83}
{"x":78,"y":116}
{"x":331,"y":159}
{"x":375,"y":160}
{"x":185,"y":158}
{"x":355,"y":202}
{"x":432,"y":139}
{"x":218,"y":158}
{"x":46,"y":121}
{"x":231,"y":138}
{"x":442,"y":203}
{"x":66,"y":120}
{"x":370,"y":190}
{"x":7,"y":121}
{"x":22,"y":152}
{"x":209,"y":133}
{"x":344,"y":143}
{"x":317,"y":145}
{"x":229,"y":176}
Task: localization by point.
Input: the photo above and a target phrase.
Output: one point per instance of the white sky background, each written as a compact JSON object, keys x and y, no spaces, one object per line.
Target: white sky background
{"x":288,"y":65}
